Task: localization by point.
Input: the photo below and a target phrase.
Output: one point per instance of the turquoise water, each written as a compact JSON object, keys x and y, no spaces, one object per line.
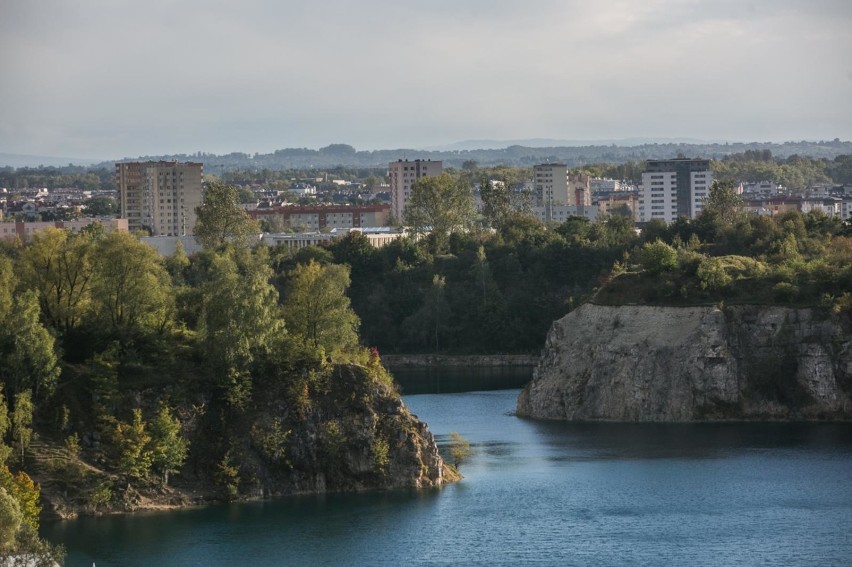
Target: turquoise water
{"x":536,"y":494}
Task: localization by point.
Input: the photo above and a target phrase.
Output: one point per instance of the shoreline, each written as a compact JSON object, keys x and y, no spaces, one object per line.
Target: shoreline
{"x":459,"y":360}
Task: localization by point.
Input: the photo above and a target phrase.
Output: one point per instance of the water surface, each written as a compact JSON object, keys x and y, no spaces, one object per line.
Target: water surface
{"x":536,"y":493}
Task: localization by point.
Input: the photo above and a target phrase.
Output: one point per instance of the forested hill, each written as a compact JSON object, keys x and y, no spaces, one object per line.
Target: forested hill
{"x":347,"y":156}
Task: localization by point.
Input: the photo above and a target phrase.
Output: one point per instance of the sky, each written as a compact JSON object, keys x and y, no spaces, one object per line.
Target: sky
{"x":107,"y":79}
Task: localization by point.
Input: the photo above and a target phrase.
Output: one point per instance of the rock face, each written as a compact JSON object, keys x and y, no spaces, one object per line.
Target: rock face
{"x":643,"y":363}
{"x":355,"y":435}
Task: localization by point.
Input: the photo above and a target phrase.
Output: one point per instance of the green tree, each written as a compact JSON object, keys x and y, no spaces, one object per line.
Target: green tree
{"x":240,"y":321}
{"x":431,"y":320}
{"x":131,"y":290}
{"x":441,"y":204}
{"x":5,"y":425}
{"x":168,"y":447}
{"x":58,"y":266}
{"x":316,"y":307}
{"x":101,"y":207}
{"x":27,"y":351}
{"x":723,"y":202}
{"x":460,"y":449}
{"x":221,"y":219}
{"x":496,"y":201}
{"x":22,"y":420}
{"x":10,"y":521}
{"x":134,"y":457}
{"x":7,"y":286}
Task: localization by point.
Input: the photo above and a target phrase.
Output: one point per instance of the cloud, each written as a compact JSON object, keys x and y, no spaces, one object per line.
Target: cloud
{"x":108,"y":78}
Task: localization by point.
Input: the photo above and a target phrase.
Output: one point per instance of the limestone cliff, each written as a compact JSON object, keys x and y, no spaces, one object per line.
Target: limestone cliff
{"x":643,"y":363}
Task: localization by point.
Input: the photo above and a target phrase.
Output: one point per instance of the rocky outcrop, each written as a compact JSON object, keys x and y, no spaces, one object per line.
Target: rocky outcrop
{"x":643,"y":363}
{"x":354,"y":434}
{"x":343,"y":429}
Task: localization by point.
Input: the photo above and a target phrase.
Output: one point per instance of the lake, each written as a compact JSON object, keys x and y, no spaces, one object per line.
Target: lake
{"x":535,"y":493}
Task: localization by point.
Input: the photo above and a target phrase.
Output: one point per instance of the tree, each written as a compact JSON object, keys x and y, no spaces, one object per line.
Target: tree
{"x":10,"y":521}
{"x":240,"y":321}
{"x":7,"y":286}
{"x":168,"y":448}
{"x":460,"y":449}
{"x":496,"y":201}
{"x":101,"y":207}
{"x":22,"y":420}
{"x":5,"y":425}
{"x":442,"y":204}
{"x":131,"y":442}
{"x":58,"y":265}
{"x":316,"y":307}
{"x":221,"y":219}
{"x":131,"y":288}
{"x":27,"y":351}
{"x":723,"y":202}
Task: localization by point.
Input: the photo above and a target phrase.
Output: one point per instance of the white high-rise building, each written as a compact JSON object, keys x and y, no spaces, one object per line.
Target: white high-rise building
{"x":403,"y":174}
{"x":159,"y":197}
{"x":674,"y":188}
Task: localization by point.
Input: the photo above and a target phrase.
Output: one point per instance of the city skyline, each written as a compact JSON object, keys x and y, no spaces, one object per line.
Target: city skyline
{"x":105,"y":80}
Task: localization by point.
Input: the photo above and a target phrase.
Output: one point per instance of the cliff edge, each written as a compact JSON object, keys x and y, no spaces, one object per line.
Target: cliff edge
{"x":643,"y":363}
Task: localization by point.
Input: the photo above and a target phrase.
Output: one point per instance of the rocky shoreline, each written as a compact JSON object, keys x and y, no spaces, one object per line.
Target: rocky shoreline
{"x":353,"y":433}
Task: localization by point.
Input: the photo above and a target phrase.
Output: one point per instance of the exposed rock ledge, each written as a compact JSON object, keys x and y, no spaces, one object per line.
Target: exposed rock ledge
{"x":642,"y":363}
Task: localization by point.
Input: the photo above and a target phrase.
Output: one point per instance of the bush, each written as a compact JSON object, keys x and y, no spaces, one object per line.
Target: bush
{"x":657,"y":257}
{"x":718,"y":272}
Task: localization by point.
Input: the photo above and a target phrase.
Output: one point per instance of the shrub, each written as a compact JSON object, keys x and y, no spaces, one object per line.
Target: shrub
{"x":657,"y":257}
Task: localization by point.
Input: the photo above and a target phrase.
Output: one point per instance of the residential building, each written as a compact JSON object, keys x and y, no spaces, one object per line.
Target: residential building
{"x":316,"y":217}
{"x":377,"y":237}
{"x":160,"y":197}
{"x":830,"y":206}
{"x":674,"y":188}
{"x":25,"y":230}
{"x":551,"y":183}
{"x":616,"y":201}
{"x":579,"y":191}
{"x":560,"y":213}
{"x":403,"y":174}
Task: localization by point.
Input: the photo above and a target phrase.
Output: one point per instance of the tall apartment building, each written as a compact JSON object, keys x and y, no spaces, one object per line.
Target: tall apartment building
{"x":674,"y":188}
{"x":551,"y":183}
{"x":159,"y":196}
{"x":403,"y":174}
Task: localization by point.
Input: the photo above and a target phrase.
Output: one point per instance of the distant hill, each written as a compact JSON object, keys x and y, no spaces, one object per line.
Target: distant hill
{"x":554,"y":143}
{"x":484,"y":152}
{"x":19,"y":160}
{"x":343,"y":155}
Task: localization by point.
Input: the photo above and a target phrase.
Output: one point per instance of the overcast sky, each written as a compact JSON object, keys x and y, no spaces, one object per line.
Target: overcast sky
{"x":123,"y":78}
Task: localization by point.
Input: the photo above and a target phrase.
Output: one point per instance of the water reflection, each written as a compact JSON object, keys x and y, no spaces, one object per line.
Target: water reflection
{"x":687,"y":440}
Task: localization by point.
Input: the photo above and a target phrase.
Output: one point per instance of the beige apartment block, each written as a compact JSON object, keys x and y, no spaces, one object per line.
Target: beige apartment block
{"x":160,"y":197}
{"x":403,"y":174}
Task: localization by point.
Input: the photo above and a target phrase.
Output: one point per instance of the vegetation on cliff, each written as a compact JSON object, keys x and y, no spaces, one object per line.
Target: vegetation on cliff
{"x":727,"y":256}
{"x":129,"y":380}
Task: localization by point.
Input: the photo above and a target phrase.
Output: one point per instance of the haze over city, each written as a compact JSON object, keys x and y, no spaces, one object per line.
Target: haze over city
{"x":111,"y":79}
